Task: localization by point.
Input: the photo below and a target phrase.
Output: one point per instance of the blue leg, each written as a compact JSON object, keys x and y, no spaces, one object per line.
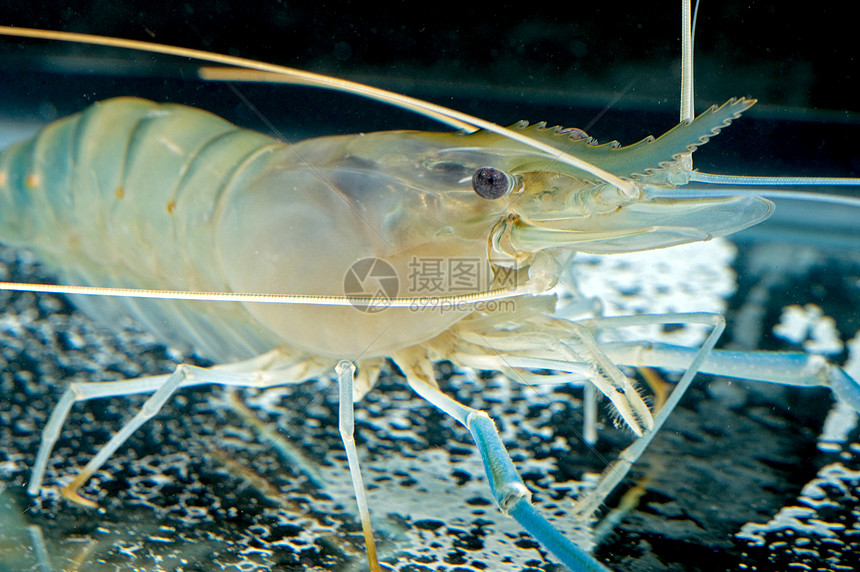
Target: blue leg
{"x":785,"y":368}
{"x":514,"y":499}
{"x":509,"y":491}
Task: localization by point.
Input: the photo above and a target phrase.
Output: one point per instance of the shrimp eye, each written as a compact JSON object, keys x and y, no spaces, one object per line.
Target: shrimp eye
{"x":491,"y":183}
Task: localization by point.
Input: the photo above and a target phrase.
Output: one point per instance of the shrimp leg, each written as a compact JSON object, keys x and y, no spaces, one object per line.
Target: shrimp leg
{"x":346,"y":425}
{"x":509,"y":491}
{"x":268,"y":370}
{"x":527,"y":350}
{"x":784,"y":368}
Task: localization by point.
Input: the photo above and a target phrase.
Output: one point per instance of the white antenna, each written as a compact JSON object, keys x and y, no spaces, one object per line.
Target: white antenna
{"x":687,"y":111}
{"x":687,"y":94}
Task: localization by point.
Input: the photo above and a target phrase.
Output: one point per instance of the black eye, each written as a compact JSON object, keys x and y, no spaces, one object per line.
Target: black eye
{"x":491,"y":183}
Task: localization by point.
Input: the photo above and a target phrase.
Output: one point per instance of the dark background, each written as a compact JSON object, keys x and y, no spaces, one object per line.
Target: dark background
{"x":571,"y":59}
{"x":764,"y":49}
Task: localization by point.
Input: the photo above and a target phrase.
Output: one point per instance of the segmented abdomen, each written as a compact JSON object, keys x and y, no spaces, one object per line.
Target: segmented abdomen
{"x":127,"y":193}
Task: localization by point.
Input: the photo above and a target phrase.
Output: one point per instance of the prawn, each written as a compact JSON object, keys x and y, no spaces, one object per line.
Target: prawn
{"x":550,"y":207}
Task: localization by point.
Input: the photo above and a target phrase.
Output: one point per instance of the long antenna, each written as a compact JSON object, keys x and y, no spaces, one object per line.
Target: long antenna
{"x":688,"y":26}
{"x":260,"y":298}
{"x":299,"y":77}
{"x":687,"y":88}
{"x":687,"y":61}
